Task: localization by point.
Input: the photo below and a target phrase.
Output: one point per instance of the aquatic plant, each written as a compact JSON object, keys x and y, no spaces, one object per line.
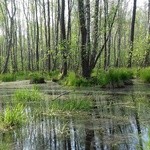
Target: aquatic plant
{"x":8,"y":77}
{"x":13,"y":116}
{"x":27,"y":95}
{"x":70,"y":105}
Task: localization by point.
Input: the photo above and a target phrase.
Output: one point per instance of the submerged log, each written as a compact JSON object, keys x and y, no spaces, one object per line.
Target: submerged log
{"x":39,"y":80}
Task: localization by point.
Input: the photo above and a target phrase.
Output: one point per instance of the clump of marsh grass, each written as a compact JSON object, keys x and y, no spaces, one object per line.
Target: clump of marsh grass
{"x":13,"y":116}
{"x":5,"y":146}
{"x":69,"y":106}
{"x":144,"y":74}
{"x":27,"y":95}
{"x":22,"y":75}
{"x":36,"y":78}
{"x":117,"y":77}
{"x":8,"y":77}
{"x":74,"y":80}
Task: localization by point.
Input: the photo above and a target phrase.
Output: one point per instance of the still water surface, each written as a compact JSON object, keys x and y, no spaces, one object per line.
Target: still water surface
{"x":118,"y":120}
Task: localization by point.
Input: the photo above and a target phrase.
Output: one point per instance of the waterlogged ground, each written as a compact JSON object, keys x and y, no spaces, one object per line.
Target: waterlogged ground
{"x":118,"y":120}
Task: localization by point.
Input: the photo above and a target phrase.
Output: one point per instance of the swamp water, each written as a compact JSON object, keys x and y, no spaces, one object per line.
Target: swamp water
{"x":118,"y":120}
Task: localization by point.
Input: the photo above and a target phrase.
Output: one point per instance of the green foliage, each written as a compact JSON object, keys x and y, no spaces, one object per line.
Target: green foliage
{"x":144,"y":74}
{"x":71,"y":105}
{"x":26,"y":95}
{"x":13,"y":116}
{"x":8,"y":77}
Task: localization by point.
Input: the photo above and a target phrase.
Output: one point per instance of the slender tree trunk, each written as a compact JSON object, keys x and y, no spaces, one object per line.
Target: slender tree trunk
{"x":57,"y":34}
{"x":10,"y":32}
{"x":147,"y":55}
{"x":37,"y":36}
{"x":49,"y":37}
{"x":129,"y":65}
{"x":95,"y":33}
{"x":88,"y":25}
{"x":105,"y":33}
{"x":83,"y":29}
{"x":21,"y":48}
{"x":63,"y":39}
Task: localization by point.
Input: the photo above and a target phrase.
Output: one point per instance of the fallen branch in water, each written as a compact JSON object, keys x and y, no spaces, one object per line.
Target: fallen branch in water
{"x":61,"y":95}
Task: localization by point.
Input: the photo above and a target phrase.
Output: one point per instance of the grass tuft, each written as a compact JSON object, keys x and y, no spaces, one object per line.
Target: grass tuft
{"x":144,"y":74}
{"x":73,"y":80}
{"x":8,"y":77}
{"x":115,"y":77}
{"x":26,"y":95}
{"x":13,"y":116}
{"x":71,"y":105}
{"x":36,"y":78}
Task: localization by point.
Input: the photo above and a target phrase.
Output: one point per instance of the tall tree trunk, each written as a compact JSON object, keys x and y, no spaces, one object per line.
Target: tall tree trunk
{"x":129,"y":65}
{"x":48,"y":37}
{"x":10,"y":32}
{"x":37,"y":36}
{"x":105,"y":33}
{"x":83,"y":29}
{"x":57,"y":34}
{"x":63,"y":39}
{"x":21,"y":48}
{"x":147,"y":54}
{"x":95,"y":33}
{"x":88,"y":25}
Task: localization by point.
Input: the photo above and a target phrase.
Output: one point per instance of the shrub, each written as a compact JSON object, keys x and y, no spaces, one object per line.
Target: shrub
{"x":26,"y":95}
{"x":13,"y":116}
{"x":8,"y":77}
